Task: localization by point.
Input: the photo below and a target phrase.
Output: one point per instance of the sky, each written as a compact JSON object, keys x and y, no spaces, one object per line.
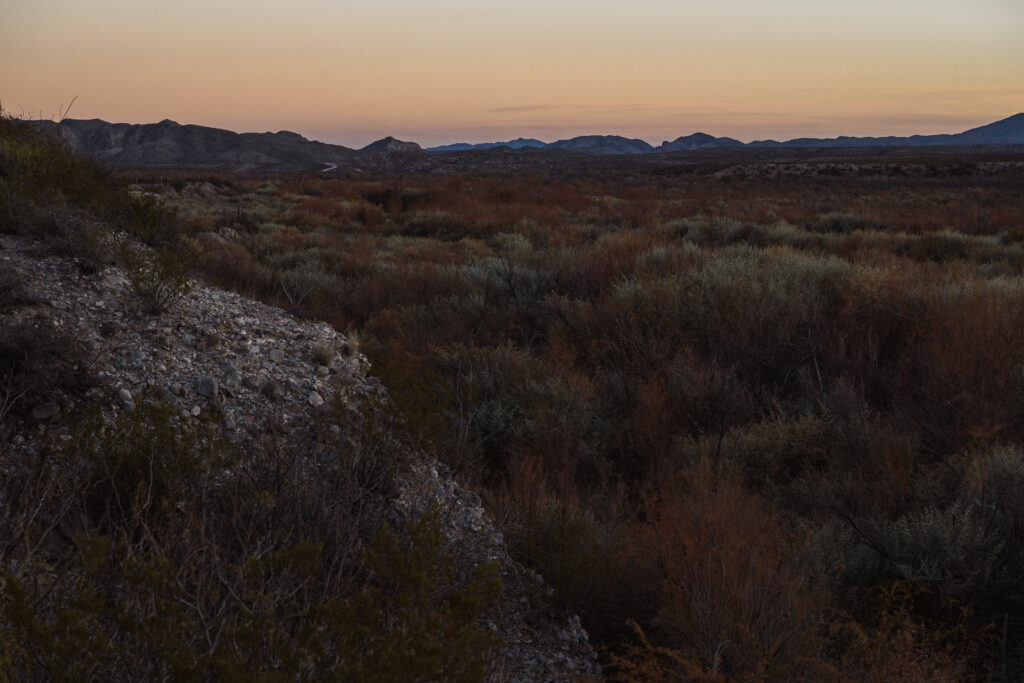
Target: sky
{"x":484,"y":70}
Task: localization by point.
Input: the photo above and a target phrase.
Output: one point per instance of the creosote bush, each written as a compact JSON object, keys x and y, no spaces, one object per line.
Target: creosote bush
{"x":157,"y":279}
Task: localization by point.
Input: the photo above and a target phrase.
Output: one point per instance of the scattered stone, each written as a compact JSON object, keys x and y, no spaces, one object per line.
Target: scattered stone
{"x":196,"y":411}
{"x":315,"y":399}
{"x":45,"y":411}
{"x":323,"y":371}
{"x":250,"y":384}
{"x":124,"y":396}
{"x":229,"y":424}
{"x":138,"y":356}
{"x":208,"y":387}
{"x":176,"y":388}
{"x":276,"y":355}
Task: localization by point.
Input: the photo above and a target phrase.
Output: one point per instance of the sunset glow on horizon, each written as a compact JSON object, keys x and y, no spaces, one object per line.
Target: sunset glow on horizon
{"x":488,"y":70}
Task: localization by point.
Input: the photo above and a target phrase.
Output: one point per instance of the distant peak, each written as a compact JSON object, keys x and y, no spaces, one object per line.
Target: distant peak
{"x":391,"y":144}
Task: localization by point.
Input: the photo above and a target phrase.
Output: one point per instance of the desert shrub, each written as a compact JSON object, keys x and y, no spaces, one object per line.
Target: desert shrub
{"x":414,"y":621}
{"x":579,"y":541}
{"x":144,"y":548}
{"x":953,"y":550}
{"x":89,"y":243}
{"x":305,"y":283}
{"x":900,"y":646}
{"x":39,"y":363}
{"x":842,"y":222}
{"x":971,"y":341}
{"x":507,"y":281}
{"x":766,"y":310}
{"x":438,"y":225}
{"x":992,"y":482}
{"x":156,"y":279}
{"x":707,"y":399}
{"x":323,"y":353}
{"x":941,"y":246}
{"x":232,"y":265}
{"x":731,"y":602}
{"x":11,"y":291}
{"x":667,"y":259}
{"x":142,"y":453}
{"x":428,"y":406}
{"x":775,"y":451}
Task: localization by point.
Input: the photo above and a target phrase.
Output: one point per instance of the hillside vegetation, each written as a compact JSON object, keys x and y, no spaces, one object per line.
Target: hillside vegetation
{"x":762,"y":424}
{"x":138,"y":544}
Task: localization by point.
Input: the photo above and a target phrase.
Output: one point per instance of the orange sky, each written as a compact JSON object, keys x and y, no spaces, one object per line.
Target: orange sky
{"x":438,"y":72}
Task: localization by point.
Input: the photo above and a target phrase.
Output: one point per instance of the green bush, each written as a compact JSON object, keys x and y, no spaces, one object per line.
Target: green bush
{"x":157,"y":280}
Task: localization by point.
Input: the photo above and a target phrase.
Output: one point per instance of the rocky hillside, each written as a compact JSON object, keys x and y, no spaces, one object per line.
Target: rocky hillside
{"x":243,"y":370}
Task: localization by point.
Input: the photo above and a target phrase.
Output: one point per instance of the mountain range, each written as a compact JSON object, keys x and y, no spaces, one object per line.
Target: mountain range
{"x":601,"y":144}
{"x":1009,"y":131}
{"x":170,"y":144}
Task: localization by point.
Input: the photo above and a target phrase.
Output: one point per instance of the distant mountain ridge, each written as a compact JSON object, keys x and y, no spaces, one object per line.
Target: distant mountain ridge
{"x":518,"y":143}
{"x":1009,"y":131}
{"x":170,"y":144}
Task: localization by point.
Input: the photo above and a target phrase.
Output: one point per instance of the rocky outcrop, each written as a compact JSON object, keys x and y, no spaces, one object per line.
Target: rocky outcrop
{"x":217,"y":355}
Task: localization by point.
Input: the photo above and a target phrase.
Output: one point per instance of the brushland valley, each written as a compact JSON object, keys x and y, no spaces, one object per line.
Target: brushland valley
{"x":753,"y":412}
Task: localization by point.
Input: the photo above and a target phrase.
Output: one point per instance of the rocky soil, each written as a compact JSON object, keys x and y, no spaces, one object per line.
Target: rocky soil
{"x":218,"y":355}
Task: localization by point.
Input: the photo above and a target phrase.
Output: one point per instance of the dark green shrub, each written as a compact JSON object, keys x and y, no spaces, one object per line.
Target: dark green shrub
{"x":156,"y":279}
